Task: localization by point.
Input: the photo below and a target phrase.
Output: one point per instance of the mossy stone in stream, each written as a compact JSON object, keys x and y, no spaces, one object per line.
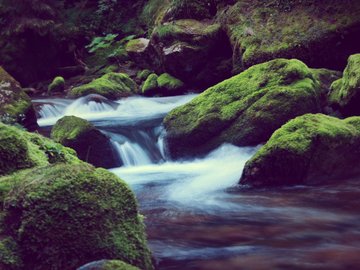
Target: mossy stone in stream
{"x":111,"y":85}
{"x":245,"y":109}
{"x":310,"y":149}
{"x":108,"y":265}
{"x":90,"y":144}
{"x":20,"y":149}
{"x":64,"y":216}
{"x":170,"y":83}
{"x":345,"y":92}
{"x":150,"y":84}
{"x":57,"y":85}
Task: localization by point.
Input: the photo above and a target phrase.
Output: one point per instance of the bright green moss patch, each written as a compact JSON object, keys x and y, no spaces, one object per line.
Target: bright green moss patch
{"x":20,"y":149}
{"x":312,"y":148}
{"x":143,"y":74}
{"x":246,"y":109}
{"x":57,"y":85}
{"x":79,"y":213}
{"x":69,"y":128}
{"x":150,"y":84}
{"x":118,"y":265}
{"x":169,"y":82}
{"x":345,"y":92}
{"x":111,"y":85}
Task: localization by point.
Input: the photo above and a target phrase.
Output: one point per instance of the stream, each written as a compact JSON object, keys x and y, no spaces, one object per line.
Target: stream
{"x":197,"y":217}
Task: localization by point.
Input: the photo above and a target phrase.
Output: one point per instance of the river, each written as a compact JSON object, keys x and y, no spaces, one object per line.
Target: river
{"x":197,"y":217}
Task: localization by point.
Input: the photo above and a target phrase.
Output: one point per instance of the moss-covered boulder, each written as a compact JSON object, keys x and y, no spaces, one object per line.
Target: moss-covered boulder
{"x":345,"y":92}
{"x":163,"y":85}
{"x":20,"y":149}
{"x":64,"y":216}
{"x":187,"y":48}
{"x":310,"y":149}
{"x":320,"y":33}
{"x":15,"y":104}
{"x":244,"y":110}
{"x":108,"y":265}
{"x":89,"y":143}
{"x":111,"y":85}
{"x":57,"y":85}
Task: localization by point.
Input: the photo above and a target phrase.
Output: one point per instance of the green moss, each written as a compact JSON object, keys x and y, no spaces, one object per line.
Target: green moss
{"x":20,"y":149}
{"x":308,"y":149}
{"x":9,"y":255}
{"x":153,"y":12}
{"x":111,"y":85}
{"x":143,"y":74}
{"x":345,"y":92}
{"x":135,"y":45}
{"x":188,"y":9}
{"x":245,"y":109}
{"x":69,"y":128}
{"x":109,"y":69}
{"x":264,"y":30}
{"x":57,"y":85}
{"x":169,"y":82}
{"x":150,"y":84}
{"x":79,"y":213}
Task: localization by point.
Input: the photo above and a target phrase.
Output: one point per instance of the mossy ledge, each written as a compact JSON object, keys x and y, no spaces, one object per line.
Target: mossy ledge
{"x":310,"y":149}
{"x":111,"y":85}
{"x":245,"y":109}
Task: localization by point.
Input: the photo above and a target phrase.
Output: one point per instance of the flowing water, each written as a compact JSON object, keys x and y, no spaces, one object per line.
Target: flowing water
{"x":196,"y":215}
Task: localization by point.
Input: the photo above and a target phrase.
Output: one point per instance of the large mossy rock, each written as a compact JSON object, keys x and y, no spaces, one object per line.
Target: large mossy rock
{"x":111,"y":85}
{"x":15,"y":104}
{"x":64,"y":216}
{"x":320,"y":33}
{"x":310,"y":149}
{"x":191,"y":50}
{"x":20,"y":149}
{"x":244,"y":110}
{"x":345,"y":92}
{"x":163,"y":85}
{"x":89,"y":143}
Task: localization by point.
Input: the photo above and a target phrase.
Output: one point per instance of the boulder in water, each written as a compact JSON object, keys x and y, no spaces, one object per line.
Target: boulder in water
{"x":89,"y":143}
{"x":345,"y":92}
{"x":310,"y":149}
{"x":111,"y":85}
{"x":15,"y":104}
{"x":108,"y":265}
{"x":64,"y":216}
{"x":244,"y":110}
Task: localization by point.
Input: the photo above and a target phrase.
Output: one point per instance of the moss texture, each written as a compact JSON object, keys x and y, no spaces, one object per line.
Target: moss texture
{"x":169,"y":82}
{"x":345,"y":92}
{"x":89,"y":143}
{"x":111,"y":85}
{"x":66,"y":215}
{"x":57,"y":85}
{"x":143,"y":74}
{"x":246,"y":109}
{"x":20,"y":149}
{"x":150,"y":84}
{"x":320,"y":33}
{"x":310,"y":149}
{"x":15,"y":105}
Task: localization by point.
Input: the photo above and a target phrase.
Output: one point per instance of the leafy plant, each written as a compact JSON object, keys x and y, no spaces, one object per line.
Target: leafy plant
{"x":101,"y":42}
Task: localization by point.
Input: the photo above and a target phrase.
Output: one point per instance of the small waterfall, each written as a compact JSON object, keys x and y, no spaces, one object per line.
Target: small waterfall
{"x":133,"y":124}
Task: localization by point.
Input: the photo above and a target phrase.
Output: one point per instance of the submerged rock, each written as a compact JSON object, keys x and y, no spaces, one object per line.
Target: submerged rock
{"x":15,"y":104}
{"x":310,"y":149}
{"x":345,"y":92}
{"x":111,"y":85}
{"x":89,"y":143}
{"x":244,"y":110}
{"x":64,"y":216}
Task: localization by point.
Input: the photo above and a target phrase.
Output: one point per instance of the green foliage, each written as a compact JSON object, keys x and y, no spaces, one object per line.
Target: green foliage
{"x":101,"y":42}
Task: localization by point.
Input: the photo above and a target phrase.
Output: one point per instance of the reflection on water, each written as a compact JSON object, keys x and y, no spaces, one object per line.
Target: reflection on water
{"x":196,"y":215}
